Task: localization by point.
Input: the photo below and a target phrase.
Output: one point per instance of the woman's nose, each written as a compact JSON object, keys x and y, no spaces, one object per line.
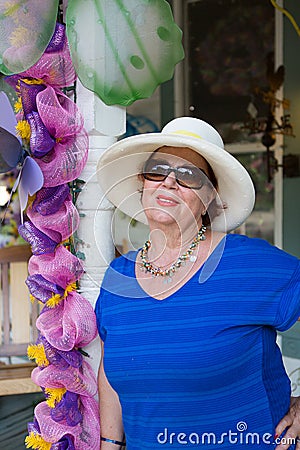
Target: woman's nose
{"x":170,"y":181}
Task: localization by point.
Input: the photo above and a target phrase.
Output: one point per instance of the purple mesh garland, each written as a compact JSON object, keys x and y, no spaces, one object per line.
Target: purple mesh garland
{"x":66,"y":443}
{"x":40,"y":140}
{"x":33,"y":427}
{"x":70,"y":324}
{"x":80,"y":381}
{"x":60,"y":358}
{"x":63,"y":120}
{"x":59,"y":113}
{"x":57,"y":41}
{"x":42,"y":289}
{"x":66,"y":160}
{"x":54,"y":67}
{"x":49,"y":200}
{"x":40,"y":243}
{"x":68,"y":410}
{"x":86,"y":434}
{"x":58,"y":226}
{"x":61,"y":268}
{"x":28,"y":94}
{"x":60,"y":143}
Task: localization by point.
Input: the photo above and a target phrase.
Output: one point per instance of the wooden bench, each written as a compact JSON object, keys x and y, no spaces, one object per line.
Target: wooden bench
{"x":17,"y":317}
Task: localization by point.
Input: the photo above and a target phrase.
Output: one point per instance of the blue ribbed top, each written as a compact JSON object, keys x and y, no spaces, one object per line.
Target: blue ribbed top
{"x":201,"y":368}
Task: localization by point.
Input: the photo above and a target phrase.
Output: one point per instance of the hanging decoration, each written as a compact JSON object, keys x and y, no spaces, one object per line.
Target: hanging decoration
{"x":52,"y":134}
{"x":13,"y":154}
{"x":26,"y":29}
{"x":11,"y":151}
{"x":139,"y":45}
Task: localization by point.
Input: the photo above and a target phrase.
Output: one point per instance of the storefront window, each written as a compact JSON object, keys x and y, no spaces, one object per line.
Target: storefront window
{"x":230,"y":48}
{"x":261,"y":222}
{"x":228,"y":44}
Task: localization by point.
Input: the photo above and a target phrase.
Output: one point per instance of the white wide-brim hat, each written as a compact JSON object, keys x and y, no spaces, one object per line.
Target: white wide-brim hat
{"x":120,"y":164}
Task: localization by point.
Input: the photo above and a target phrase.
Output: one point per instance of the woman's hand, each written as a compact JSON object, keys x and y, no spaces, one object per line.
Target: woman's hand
{"x":291,"y":424}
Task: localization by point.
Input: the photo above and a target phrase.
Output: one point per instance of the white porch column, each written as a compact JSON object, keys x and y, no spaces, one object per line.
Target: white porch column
{"x":104,"y":124}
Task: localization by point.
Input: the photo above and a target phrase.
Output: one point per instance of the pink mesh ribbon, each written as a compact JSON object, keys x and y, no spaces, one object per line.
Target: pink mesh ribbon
{"x":70,"y":324}
{"x":81,"y":381}
{"x":64,"y":122}
{"x":65,"y":161}
{"x":60,"y":114}
{"x":86,"y":435}
{"x":60,"y":225}
{"x":62,"y":267}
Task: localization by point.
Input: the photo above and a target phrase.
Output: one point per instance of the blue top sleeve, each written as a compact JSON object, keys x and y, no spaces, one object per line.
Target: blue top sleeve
{"x":289,"y":306}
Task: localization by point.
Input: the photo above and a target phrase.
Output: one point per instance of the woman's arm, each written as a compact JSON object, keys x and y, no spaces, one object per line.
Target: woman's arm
{"x":111,"y":425}
{"x":291,"y":424}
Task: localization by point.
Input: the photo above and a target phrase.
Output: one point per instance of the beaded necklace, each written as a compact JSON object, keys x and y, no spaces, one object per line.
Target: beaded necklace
{"x":157,"y":271}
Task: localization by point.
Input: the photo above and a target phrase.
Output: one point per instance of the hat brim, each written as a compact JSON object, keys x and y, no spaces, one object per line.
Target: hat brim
{"x":119,"y":167}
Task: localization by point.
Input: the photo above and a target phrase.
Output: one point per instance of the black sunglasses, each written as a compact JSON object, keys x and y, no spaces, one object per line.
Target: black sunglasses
{"x":191,"y":177}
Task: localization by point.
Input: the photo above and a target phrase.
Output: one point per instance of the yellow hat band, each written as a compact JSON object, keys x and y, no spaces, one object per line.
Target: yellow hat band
{"x":187,"y":133}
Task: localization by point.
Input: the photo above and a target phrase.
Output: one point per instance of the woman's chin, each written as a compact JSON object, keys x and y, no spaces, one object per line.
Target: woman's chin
{"x":162,"y":217}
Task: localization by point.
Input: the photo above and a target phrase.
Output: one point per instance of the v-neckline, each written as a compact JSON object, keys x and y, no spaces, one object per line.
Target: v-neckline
{"x":136,"y":264}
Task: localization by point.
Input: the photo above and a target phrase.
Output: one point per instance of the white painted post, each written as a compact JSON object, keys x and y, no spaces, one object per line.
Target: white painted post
{"x":103,"y":124}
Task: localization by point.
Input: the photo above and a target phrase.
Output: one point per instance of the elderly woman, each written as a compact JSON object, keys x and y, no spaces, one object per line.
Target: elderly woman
{"x":188,"y":322}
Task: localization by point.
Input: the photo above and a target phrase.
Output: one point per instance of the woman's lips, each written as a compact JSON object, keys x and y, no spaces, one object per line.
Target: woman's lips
{"x":164,"y":200}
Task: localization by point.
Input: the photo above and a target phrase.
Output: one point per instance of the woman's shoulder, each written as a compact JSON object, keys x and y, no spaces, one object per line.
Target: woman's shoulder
{"x":120,"y":272}
{"x":124,"y":262}
{"x":260,"y":248}
{"x":241,"y":240}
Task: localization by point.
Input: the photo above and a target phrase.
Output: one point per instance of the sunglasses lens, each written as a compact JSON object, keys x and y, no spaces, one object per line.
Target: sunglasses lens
{"x":156,"y":172}
{"x":191,"y":177}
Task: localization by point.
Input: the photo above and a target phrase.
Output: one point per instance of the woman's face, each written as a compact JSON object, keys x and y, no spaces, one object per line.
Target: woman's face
{"x":166,"y":202}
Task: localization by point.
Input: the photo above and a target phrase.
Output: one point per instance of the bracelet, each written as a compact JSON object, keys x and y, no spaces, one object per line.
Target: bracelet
{"x":112,"y":441}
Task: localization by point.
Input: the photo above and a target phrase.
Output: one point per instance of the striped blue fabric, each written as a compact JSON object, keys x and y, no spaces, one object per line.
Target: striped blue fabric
{"x":202,"y":368}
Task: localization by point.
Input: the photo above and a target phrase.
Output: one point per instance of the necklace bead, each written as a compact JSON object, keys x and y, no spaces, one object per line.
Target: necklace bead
{"x":157,"y":271}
